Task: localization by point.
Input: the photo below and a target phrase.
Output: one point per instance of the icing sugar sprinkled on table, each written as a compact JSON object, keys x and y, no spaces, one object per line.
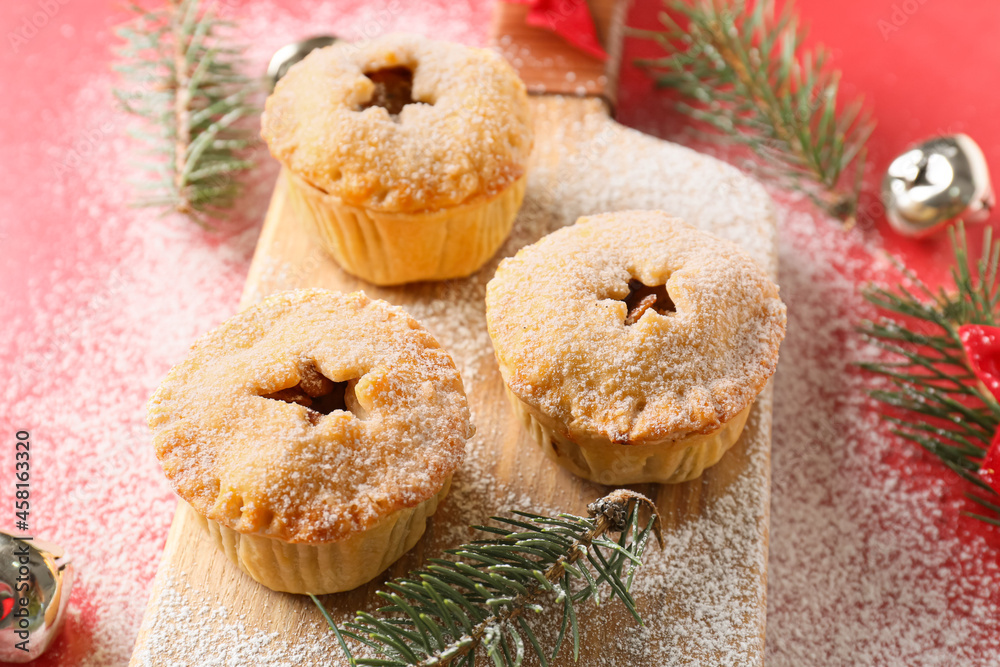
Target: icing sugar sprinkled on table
{"x":869,"y":562}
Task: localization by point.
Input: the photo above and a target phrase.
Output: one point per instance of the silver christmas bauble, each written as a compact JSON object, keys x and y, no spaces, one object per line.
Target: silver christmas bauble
{"x":292,"y":53}
{"x":935,"y":182}
{"x":35,"y":582}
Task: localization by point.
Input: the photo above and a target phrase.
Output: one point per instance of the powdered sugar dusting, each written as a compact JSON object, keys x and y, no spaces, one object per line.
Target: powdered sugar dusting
{"x":247,"y":456}
{"x":466,"y":133}
{"x":697,"y":578}
{"x":867,"y":548}
{"x":869,"y":561}
{"x":114,"y":296}
{"x":234,"y":641}
{"x":559,"y":322}
{"x":710,"y":571}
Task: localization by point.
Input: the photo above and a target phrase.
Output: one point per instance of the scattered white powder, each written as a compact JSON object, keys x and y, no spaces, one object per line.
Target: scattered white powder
{"x":556,"y":314}
{"x":869,"y":561}
{"x":690,"y":577}
{"x":468,"y":135}
{"x":111,"y":303}
{"x":232,"y":643}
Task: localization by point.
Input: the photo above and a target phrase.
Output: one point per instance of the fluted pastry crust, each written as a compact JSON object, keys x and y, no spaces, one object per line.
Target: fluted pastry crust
{"x":269,"y":467}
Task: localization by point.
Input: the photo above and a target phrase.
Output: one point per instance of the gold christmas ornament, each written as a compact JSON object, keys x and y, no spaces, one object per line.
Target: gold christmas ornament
{"x":35,"y":582}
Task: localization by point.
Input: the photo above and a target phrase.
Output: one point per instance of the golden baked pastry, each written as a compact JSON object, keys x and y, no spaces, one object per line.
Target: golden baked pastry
{"x":314,"y":434}
{"x":633,"y":345}
{"x":406,"y":154}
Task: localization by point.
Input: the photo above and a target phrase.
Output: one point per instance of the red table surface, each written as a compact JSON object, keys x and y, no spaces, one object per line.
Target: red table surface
{"x":78,"y":268}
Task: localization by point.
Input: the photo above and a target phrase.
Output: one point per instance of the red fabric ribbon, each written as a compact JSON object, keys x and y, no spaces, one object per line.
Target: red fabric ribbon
{"x":570,"y":19}
{"x":982,"y":349}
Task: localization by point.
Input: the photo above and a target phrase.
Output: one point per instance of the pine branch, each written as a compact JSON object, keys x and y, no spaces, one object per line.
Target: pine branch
{"x":185,"y":82}
{"x":441,"y":615}
{"x":743,"y":71}
{"x":937,"y":400}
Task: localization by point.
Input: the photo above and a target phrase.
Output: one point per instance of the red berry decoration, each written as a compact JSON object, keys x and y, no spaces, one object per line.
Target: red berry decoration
{"x":982,"y":348}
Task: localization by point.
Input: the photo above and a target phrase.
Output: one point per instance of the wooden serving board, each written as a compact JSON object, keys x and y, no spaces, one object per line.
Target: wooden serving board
{"x":703,"y":595}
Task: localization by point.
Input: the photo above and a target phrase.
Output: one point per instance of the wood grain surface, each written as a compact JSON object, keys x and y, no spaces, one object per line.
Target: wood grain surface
{"x":706,"y":606}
